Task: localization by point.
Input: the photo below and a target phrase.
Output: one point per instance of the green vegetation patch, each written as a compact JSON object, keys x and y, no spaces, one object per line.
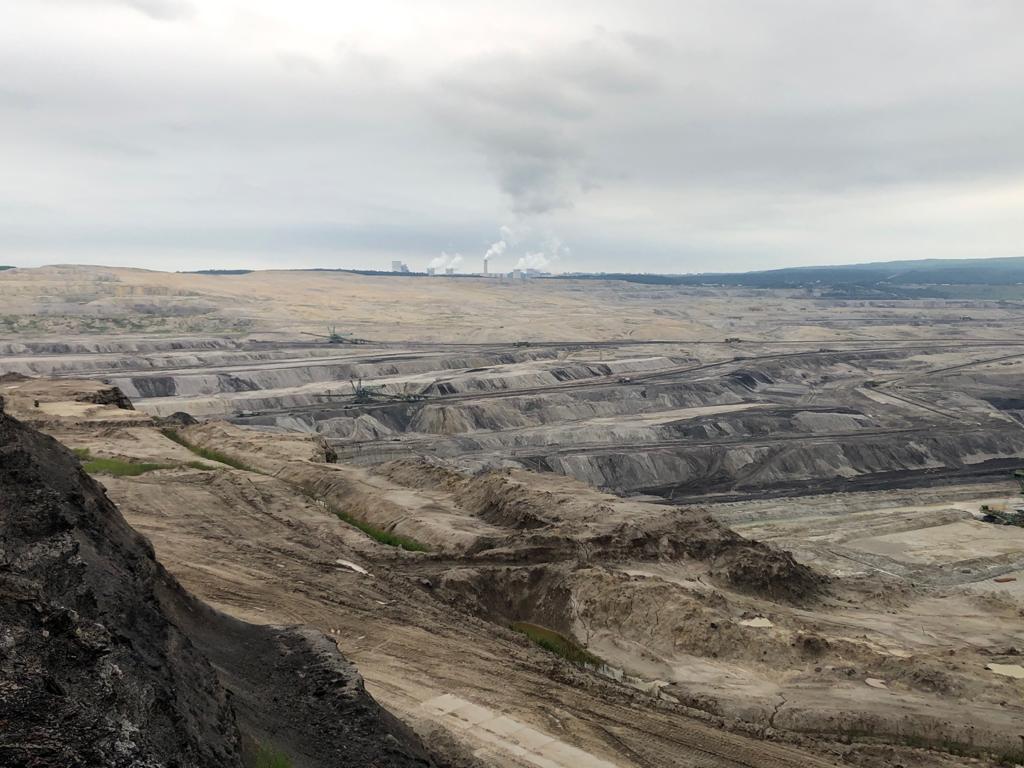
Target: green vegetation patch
{"x":558,"y":644}
{"x":384,"y":537}
{"x":375,"y":533}
{"x":116,"y":467}
{"x":206,"y":453}
{"x":378,"y":534}
{"x":268,"y":757}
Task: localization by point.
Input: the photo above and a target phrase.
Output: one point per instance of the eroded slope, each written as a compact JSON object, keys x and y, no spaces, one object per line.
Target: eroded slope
{"x":104,"y":658}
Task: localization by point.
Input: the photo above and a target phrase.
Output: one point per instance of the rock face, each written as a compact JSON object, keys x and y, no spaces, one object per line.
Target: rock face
{"x":91,"y":670}
{"x":110,"y":396}
{"x":105,"y":659}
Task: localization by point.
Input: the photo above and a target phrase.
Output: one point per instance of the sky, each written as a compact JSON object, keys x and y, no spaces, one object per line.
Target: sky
{"x":649,"y":136}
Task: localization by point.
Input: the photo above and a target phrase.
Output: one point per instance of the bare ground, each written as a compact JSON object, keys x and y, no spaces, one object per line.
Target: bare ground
{"x":865,"y":449}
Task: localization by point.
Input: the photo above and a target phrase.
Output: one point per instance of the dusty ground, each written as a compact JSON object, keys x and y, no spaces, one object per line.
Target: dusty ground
{"x":546,"y":482}
{"x":70,"y":300}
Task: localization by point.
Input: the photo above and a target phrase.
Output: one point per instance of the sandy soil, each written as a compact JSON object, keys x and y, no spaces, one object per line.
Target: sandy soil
{"x":953,"y":542}
{"x":127,"y":301}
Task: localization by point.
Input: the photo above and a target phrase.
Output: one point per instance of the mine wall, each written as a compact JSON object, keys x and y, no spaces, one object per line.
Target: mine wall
{"x":668,"y":471}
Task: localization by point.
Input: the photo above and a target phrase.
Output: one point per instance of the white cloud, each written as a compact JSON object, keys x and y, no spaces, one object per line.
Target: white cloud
{"x":445,"y":261}
{"x":535,"y":260}
{"x":162,"y":10}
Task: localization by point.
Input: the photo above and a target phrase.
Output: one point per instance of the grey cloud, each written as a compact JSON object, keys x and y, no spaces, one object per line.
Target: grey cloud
{"x":690,"y":129}
{"x":823,"y":98}
{"x":314,"y":238}
{"x":825,"y":150}
{"x":529,"y":116}
{"x":16,"y":99}
{"x":299,"y":63}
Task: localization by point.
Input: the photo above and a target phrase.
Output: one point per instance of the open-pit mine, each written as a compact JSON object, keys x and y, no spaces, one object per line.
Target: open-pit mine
{"x":569,"y":523}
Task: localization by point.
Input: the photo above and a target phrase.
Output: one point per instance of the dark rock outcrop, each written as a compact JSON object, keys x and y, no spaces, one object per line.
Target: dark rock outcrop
{"x":177,"y":419}
{"x":111,"y":396}
{"x":106,"y":661}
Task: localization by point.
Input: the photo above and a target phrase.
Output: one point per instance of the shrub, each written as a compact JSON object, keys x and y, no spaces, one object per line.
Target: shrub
{"x":115,"y":467}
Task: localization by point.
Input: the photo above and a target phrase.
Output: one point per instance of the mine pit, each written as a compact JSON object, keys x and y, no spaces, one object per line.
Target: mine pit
{"x":591,"y":549}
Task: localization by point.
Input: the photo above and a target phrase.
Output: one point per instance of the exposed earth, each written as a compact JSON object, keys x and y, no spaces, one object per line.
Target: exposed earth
{"x":754,"y":516}
{"x":105,"y":660}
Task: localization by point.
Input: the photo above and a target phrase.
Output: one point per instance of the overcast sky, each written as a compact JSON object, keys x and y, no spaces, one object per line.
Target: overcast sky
{"x":674,"y":136}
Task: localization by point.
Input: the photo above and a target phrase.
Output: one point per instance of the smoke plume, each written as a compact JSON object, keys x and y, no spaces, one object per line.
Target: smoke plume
{"x":535,"y":260}
{"x":495,"y":249}
{"x":445,"y":261}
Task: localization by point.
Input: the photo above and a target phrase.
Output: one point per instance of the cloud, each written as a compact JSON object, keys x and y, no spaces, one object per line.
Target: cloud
{"x":535,"y":260}
{"x":529,"y":114}
{"x":16,"y":99}
{"x":161,"y":10}
{"x":553,"y":249}
{"x":300,"y":64}
{"x":164,"y":10}
{"x":655,"y":135}
{"x":445,"y":261}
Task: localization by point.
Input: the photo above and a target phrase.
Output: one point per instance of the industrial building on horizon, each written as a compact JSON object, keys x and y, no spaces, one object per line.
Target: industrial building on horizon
{"x":518,"y":273}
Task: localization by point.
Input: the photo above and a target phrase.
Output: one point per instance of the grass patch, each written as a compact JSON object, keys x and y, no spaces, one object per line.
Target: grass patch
{"x":268,"y":757}
{"x":206,"y":453}
{"x":120,"y":468}
{"x":375,"y":533}
{"x":558,"y":644}
{"x":115,"y":467}
{"x":378,"y":534}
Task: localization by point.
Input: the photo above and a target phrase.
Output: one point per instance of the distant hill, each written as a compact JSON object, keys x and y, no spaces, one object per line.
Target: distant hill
{"x":375,"y":272}
{"x":220,"y":272}
{"x":898,"y":279}
{"x":2,"y":267}
{"x":924,"y":272}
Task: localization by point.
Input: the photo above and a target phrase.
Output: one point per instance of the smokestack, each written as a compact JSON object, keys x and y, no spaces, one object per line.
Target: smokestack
{"x":485,"y":266}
